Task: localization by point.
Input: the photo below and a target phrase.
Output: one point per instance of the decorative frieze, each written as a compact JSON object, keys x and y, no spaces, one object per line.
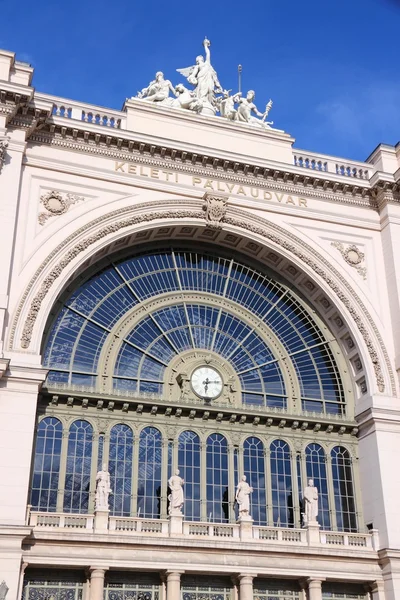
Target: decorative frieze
{"x":56,"y":204}
{"x":353,"y":256}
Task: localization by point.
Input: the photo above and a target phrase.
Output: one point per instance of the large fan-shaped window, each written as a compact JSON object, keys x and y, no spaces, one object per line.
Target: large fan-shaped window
{"x":237,"y":314}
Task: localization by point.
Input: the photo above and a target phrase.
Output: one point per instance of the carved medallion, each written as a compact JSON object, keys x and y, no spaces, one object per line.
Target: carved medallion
{"x":56,"y":204}
{"x":353,"y":256}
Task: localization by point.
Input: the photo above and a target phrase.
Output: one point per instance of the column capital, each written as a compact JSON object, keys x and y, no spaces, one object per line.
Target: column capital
{"x":97,"y":571}
{"x":242,"y":576}
{"x":316,"y":581}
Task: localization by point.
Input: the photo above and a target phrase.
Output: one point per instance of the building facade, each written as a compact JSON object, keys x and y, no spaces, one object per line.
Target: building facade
{"x":186,"y":291}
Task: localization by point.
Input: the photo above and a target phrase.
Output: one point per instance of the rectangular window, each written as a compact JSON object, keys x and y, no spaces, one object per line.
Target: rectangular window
{"x":66,"y":585}
{"x":206,"y":588}
{"x":273,"y":589}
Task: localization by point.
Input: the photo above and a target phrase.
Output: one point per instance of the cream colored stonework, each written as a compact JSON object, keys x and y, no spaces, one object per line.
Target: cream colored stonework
{"x":74,"y":191}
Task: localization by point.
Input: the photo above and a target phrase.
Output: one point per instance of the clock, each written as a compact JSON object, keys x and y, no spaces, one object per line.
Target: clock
{"x":206,"y":382}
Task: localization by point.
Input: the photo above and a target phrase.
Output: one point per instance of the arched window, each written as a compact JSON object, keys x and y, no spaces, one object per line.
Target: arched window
{"x":281,"y":484}
{"x":254,"y":469}
{"x":47,"y":465}
{"x":316,"y":470}
{"x":85,"y":322}
{"x":343,"y":490}
{"x":189,"y":466}
{"x":77,"y":475}
{"x":149,"y":475}
{"x":217,"y":478}
{"x":120,"y":467}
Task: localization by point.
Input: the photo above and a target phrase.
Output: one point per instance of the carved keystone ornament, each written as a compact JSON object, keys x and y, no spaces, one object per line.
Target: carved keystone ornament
{"x":215,"y":207}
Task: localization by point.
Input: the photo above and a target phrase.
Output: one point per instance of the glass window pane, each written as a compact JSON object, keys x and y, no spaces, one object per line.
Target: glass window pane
{"x":79,"y":459}
{"x":189,"y":466}
{"x":46,"y":465}
{"x":254,"y":469}
{"x":316,"y":470}
{"x":281,"y":483}
{"x":217,"y":479}
{"x":149,"y":473}
{"x":120,"y":466}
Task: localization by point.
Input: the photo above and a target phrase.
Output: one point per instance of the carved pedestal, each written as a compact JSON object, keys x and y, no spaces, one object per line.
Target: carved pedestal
{"x":246,"y":527}
{"x":313,"y":538}
{"x":175,"y":524}
{"x":101,"y":521}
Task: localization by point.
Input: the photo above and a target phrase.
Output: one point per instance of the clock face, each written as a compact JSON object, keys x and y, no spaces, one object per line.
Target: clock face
{"x":206,"y":382}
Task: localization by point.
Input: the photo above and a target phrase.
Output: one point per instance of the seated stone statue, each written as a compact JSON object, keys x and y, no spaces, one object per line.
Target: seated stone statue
{"x":157,"y":90}
{"x":186,"y":99}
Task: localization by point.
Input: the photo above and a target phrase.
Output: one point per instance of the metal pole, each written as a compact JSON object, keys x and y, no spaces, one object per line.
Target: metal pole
{"x":240,"y":77}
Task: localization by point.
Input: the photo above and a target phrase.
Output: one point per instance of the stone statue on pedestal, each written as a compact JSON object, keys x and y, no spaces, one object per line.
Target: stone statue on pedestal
{"x":176,"y":499}
{"x":203,"y":76}
{"x":103,"y":489}
{"x":242,"y":497}
{"x":310,"y":498}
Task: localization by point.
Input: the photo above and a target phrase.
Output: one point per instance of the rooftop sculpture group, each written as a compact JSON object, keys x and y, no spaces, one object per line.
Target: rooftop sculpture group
{"x":203,"y":98}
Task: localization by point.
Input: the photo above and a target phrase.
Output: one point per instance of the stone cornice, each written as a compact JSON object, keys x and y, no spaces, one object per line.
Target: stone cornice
{"x":262,"y":420}
{"x":69,"y":538}
{"x":13,"y":97}
{"x":4,"y":363}
{"x":118,"y":144}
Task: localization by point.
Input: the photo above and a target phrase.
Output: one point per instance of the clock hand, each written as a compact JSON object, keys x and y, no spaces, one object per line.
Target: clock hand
{"x":205,"y":383}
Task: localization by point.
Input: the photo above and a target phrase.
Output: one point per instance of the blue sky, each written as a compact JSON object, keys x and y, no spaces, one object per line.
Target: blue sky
{"x":331,"y":68}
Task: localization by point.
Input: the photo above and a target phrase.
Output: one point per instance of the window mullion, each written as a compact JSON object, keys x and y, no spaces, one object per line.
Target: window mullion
{"x":63,"y":469}
{"x":331,"y":492}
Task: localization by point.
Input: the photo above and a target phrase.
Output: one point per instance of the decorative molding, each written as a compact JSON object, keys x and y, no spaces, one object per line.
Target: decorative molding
{"x":278,"y":238}
{"x":80,"y":247}
{"x":3,"y":151}
{"x":56,"y":204}
{"x":384,"y":194}
{"x":342,"y":192}
{"x":215,"y":209}
{"x":353,"y":256}
{"x":240,"y":219}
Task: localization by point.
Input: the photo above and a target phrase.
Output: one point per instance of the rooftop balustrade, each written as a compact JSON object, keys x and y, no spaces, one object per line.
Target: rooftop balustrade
{"x":115,"y":119}
{"x":321,"y":163}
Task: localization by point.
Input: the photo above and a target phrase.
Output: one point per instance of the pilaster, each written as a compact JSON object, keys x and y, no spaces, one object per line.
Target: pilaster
{"x":10,"y":176}
{"x":379,"y":440}
{"x":389,"y":207}
{"x":18,"y":399}
{"x":11,"y":539}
